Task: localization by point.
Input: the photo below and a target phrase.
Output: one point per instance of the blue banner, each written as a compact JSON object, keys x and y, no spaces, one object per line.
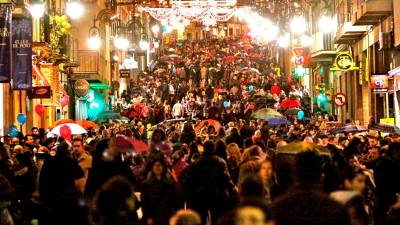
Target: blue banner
{"x":5,"y":42}
{"x":22,"y":53}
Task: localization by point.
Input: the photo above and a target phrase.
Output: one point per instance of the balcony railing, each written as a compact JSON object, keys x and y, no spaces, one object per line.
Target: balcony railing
{"x":89,"y":61}
{"x":348,"y":33}
{"x":371,"y":12}
{"x":322,"y":49}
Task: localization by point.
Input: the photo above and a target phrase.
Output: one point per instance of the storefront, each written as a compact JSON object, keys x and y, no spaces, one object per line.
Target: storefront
{"x":395,"y":74}
{"x":90,"y":96}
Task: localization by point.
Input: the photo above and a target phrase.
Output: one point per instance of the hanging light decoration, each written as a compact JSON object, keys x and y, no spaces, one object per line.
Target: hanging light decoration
{"x":206,"y":12}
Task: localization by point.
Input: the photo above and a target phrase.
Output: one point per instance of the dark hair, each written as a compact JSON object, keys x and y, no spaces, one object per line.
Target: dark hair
{"x":247,"y":142}
{"x":351,"y":172}
{"x":220,"y":149}
{"x":26,"y":137}
{"x":208,"y":147}
{"x":393,"y":148}
{"x":77,"y":139}
{"x":110,"y":203}
{"x":62,"y":149}
{"x":308,"y":167}
{"x":251,"y":187}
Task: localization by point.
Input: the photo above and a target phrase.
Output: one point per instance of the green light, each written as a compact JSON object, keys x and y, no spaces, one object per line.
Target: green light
{"x":300,"y":71}
{"x":322,"y":98}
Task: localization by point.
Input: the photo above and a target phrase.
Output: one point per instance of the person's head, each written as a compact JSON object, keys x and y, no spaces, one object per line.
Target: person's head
{"x":35,"y":130}
{"x":233,"y":152}
{"x":208,"y":148}
{"x":354,"y":180}
{"x":394,"y":151}
{"x":14,"y":141}
{"x":158,"y":167}
{"x":220,"y":149}
{"x":77,"y":146}
{"x":251,"y":213}
{"x":63,"y":149}
{"x":185,"y":217}
{"x":251,"y":187}
{"x":114,"y":203}
{"x":308,"y":167}
{"x":266,"y":170}
{"x":28,"y":139}
{"x":374,"y":153}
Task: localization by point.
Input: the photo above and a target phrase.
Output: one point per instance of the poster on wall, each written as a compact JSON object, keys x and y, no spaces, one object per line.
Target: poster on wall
{"x":380,"y":84}
{"x":5,"y":42}
{"x":22,"y":53}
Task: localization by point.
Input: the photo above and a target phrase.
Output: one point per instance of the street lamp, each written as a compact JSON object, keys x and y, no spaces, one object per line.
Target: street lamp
{"x":74,"y":9}
{"x":327,"y":24}
{"x":37,"y":8}
{"x":94,"y":40}
{"x":298,"y":24}
{"x":272,"y":32}
{"x":284,"y":41}
{"x":121,"y":42}
{"x":306,"y":41}
{"x":144,"y":45}
{"x":155,"y":29}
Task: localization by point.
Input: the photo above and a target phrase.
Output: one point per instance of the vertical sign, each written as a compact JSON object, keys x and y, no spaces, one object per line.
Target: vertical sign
{"x":5,"y":42}
{"x":22,"y":53}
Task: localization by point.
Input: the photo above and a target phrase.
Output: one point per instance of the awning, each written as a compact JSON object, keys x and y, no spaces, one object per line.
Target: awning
{"x":94,"y":84}
{"x":394,"y":72}
{"x":40,"y":76}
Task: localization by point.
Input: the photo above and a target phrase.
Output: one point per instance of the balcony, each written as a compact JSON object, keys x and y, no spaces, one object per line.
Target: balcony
{"x":371,"y":12}
{"x":348,"y":33}
{"x":89,"y":66}
{"x":322,"y":49}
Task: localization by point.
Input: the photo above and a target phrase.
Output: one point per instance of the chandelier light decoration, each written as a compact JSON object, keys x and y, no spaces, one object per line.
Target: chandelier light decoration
{"x":206,"y":12}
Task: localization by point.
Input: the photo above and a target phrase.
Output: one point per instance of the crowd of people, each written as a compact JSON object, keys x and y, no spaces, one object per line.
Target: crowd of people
{"x":218,"y":78}
{"x":243,"y":171}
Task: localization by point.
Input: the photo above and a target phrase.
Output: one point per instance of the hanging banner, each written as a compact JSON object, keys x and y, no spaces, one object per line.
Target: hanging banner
{"x":5,"y":42}
{"x":22,"y":53}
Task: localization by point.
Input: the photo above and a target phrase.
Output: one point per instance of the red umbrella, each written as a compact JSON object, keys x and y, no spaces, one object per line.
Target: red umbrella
{"x":229,"y":58}
{"x":210,"y":122}
{"x":290,"y":103}
{"x":139,"y":145}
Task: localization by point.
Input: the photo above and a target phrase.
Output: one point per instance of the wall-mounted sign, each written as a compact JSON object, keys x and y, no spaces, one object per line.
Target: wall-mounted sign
{"x":340,"y":99}
{"x":299,"y":60}
{"x":40,"y":92}
{"x":379,"y":83}
{"x":130,"y":63}
{"x":344,"y":62}
{"x":81,"y":87}
{"x":124,"y":73}
{"x":5,"y":42}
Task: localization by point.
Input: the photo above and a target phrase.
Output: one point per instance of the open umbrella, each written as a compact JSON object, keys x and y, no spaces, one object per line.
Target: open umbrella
{"x":209,"y":122}
{"x":62,"y":121}
{"x":302,"y":146}
{"x":290,"y":103}
{"x":109,"y":115}
{"x":87,"y":124}
{"x":266,"y":113}
{"x":292,"y":111}
{"x":333,"y":125}
{"x":139,"y":145}
{"x":75,"y":129}
{"x":278,"y":121}
{"x":385,"y":128}
{"x":350,"y":128}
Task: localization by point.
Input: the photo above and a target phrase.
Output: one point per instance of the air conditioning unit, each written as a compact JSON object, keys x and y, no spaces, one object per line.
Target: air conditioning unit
{"x":385,"y":41}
